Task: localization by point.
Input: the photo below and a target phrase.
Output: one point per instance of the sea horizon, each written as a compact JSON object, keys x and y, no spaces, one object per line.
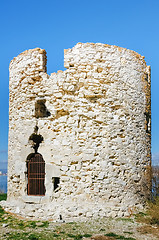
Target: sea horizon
{"x":3,"y":183}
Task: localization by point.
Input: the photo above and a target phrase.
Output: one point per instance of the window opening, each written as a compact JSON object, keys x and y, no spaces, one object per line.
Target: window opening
{"x":148,"y":119}
{"x":40,"y":109}
{"x":56,"y":182}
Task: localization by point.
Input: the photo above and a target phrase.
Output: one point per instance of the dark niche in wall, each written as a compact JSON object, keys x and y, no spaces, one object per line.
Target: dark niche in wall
{"x":148,"y":119}
{"x":56,"y":182}
{"x":40,"y":109}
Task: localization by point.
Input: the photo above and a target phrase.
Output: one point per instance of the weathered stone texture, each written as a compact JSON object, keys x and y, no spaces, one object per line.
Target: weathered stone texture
{"x":96,"y":136}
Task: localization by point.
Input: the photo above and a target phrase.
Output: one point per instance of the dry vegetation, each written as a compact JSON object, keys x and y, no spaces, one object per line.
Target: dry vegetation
{"x":155,"y":181}
{"x":151,"y":217}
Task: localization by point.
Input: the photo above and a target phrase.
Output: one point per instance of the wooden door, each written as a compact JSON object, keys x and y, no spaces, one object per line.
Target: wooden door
{"x":36,"y":175}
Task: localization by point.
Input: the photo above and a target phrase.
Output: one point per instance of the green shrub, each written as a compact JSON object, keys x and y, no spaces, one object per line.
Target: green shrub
{"x":3,"y":196}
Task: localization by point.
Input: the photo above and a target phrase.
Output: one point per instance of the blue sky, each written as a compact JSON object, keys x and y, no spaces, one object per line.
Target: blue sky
{"x":56,"y":25}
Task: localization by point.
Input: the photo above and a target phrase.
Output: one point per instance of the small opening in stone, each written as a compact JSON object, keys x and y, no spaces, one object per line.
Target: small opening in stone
{"x":40,"y":109}
{"x":56,"y":181}
{"x":148,"y":117}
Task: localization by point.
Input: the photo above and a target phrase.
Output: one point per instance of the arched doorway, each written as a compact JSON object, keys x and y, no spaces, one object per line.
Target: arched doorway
{"x":36,"y":174}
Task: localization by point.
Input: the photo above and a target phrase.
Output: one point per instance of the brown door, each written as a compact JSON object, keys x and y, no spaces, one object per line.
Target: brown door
{"x":36,"y":175}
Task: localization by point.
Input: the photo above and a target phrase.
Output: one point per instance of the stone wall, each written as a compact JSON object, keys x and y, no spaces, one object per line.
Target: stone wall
{"x":95,"y":126}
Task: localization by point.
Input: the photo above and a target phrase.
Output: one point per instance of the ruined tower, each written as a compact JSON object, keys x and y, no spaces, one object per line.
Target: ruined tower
{"x":79,"y":139}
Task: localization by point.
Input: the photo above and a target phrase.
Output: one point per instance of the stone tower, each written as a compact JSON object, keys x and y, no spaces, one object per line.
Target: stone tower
{"x":79,"y":139}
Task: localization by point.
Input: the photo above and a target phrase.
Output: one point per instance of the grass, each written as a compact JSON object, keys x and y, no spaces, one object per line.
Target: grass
{"x":152,"y":214}
{"x":128,"y":232}
{"x":115,"y":236}
{"x":125,"y":219}
{"x":24,"y":236}
{"x":41,"y":236}
{"x":150,"y":218}
{"x":39,"y":230}
{"x":15,"y":223}
{"x":44,"y":236}
{"x":2,"y":212}
{"x":153,"y":211}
